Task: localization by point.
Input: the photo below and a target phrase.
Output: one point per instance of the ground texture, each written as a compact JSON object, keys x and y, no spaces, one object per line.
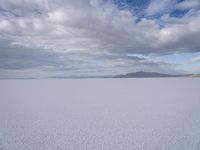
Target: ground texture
{"x":100,"y":114}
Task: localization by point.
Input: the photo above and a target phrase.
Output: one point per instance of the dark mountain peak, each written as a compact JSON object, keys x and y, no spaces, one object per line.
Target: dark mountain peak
{"x":142,"y":74}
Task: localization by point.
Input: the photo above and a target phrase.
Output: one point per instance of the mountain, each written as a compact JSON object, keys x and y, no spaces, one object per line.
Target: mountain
{"x":143,"y":74}
{"x":195,"y":75}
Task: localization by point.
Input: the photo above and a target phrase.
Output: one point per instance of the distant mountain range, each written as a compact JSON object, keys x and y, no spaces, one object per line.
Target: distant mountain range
{"x":195,"y":75}
{"x":140,"y":74}
{"x":143,"y":74}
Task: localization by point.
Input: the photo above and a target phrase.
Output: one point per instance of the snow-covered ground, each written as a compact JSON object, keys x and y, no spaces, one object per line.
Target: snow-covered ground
{"x":100,"y":114}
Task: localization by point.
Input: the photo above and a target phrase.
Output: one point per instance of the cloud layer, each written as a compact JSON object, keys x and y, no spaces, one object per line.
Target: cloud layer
{"x":94,"y":36}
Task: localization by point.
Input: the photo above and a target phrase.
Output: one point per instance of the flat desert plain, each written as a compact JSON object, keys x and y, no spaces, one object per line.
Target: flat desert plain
{"x":100,"y":114}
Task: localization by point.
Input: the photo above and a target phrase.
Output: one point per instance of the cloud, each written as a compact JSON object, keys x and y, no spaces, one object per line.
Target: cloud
{"x":159,"y":7}
{"x":195,"y":59}
{"x":188,"y":4}
{"x":91,"y":36}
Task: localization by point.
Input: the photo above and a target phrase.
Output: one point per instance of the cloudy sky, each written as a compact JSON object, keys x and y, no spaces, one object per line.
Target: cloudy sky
{"x":45,"y":38}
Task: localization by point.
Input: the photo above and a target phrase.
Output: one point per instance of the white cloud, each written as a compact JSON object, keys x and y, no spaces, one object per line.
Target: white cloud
{"x":85,"y":31}
{"x":188,"y":4}
{"x":196,"y":59}
{"x":99,"y":28}
{"x":181,"y":34}
{"x":160,"y":6}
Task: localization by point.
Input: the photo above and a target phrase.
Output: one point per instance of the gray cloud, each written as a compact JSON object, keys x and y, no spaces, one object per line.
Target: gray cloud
{"x":90,"y":35}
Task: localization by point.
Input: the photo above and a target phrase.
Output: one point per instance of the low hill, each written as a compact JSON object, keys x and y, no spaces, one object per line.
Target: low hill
{"x":143,"y":74}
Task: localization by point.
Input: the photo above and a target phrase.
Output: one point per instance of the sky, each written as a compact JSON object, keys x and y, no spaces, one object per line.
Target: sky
{"x":62,"y":38}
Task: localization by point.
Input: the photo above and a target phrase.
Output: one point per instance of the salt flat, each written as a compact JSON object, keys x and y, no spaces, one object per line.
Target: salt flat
{"x":100,"y":114}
